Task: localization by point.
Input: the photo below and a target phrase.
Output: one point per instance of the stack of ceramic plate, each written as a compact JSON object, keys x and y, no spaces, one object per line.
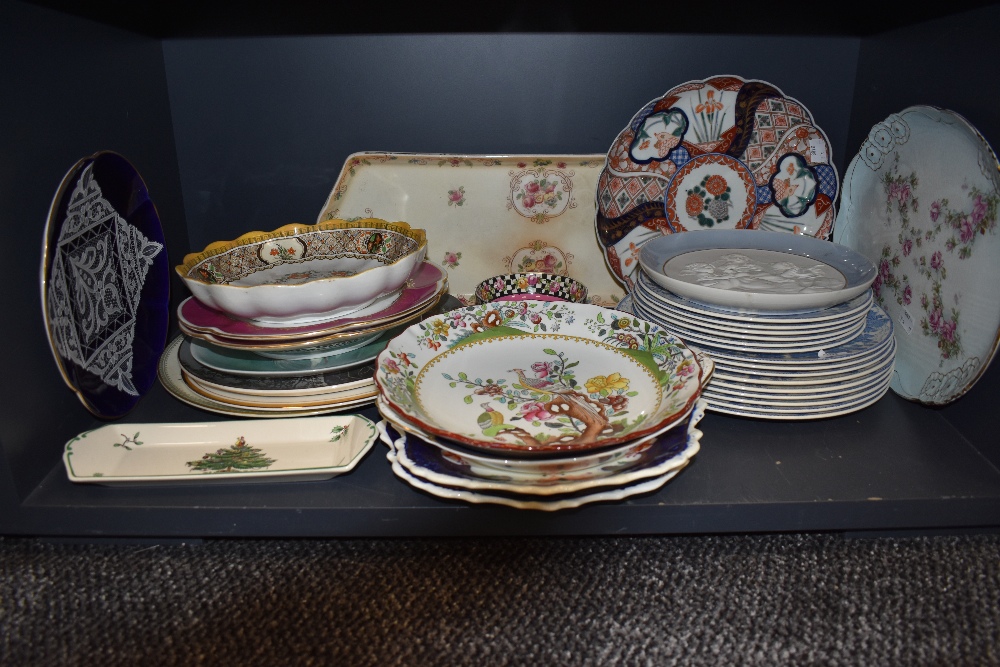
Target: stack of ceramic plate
{"x":780,"y":352}
{"x":538,"y":404}
{"x":316,"y":357}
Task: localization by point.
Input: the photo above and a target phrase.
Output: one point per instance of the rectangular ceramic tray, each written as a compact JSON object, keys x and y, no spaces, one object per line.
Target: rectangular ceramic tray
{"x":486,"y":215}
{"x":304,"y":448}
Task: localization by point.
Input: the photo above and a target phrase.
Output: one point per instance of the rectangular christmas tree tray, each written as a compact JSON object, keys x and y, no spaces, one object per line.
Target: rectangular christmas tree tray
{"x":293,"y":449}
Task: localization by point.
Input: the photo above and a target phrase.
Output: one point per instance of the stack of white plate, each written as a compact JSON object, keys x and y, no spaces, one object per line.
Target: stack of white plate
{"x":539,"y":405}
{"x":801,"y":354}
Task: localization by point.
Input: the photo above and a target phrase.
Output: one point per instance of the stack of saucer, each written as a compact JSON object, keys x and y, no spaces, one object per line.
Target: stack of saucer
{"x":539,"y":404}
{"x":804,"y":354}
{"x":309,"y":345}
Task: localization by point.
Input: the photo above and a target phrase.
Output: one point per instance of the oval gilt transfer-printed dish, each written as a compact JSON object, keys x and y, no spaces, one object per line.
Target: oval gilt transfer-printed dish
{"x":920,"y":200}
{"x":536,"y":378}
{"x":720,"y":153}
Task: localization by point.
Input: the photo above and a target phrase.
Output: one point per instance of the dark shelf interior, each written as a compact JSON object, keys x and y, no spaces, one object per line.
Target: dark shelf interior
{"x":894,"y":466}
{"x":241,"y":118}
{"x":227,"y":18}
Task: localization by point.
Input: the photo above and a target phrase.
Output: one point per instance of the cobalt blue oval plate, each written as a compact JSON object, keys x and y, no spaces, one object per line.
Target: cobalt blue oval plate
{"x":105,"y":284}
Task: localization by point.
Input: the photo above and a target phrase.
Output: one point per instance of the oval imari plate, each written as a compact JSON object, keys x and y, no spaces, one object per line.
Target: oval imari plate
{"x":720,"y":153}
{"x":537,"y":378}
{"x":105,"y":284}
{"x":920,"y":200}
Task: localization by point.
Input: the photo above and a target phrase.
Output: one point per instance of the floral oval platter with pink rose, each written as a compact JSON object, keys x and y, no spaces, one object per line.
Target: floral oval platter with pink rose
{"x":719,"y":153}
{"x":485,"y":215}
{"x":920,"y":200}
{"x":533,"y":378}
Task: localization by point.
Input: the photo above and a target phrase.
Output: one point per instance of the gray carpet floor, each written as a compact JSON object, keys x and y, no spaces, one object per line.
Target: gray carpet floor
{"x":705,"y":600}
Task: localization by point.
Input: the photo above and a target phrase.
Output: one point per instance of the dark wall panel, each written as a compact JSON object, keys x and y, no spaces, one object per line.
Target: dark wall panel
{"x":263,"y":125}
{"x":71,"y":87}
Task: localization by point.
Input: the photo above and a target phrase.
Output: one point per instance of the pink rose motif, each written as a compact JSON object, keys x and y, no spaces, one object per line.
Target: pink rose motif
{"x":923,"y":301}
{"x":454,"y":195}
{"x":498,"y":284}
{"x":450,"y":258}
{"x":532,"y":187}
{"x":532,"y":280}
{"x":883,"y":269}
{"x":555,"y":286}
{"x":935,"y":320}
{"x":907,"y":295}
{"x":549,"y":262}
{"x":391,"y":366}
{"x":893,"y":191}
{"x":877,"y":285}
{"x":522,"y":165}
{"x":978,"y":210}
{"x":936,"y":260}
{"x":535,"y":411}
{"x":561,"y":165}
{"x":907,"y":247}
{"x":529,"y":201}
{"x":535,"y":318}
{"x":948,"y":330}
{"x":967,"y":231}
{"x":904,"y":194}
{"x":935,"y":211}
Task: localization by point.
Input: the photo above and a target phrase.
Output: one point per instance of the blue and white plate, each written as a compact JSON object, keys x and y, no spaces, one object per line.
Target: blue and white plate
{"x":728,"y":328}
{"x":785,"y":379}
{"x":670,"y":451}
{"x":518,"y":501}
{"x":799,"y":414}
{"x":757,"y":273}
{"x":105,"y":282}
{"x":801,"y":385}
{"x":703,"y":336}
{"x":752,"y":398}
{"x":877,"y":332}
{"x":764,"y":320}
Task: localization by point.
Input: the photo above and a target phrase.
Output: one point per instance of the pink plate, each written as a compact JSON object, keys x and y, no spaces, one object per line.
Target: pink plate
{"x":427,"y":284}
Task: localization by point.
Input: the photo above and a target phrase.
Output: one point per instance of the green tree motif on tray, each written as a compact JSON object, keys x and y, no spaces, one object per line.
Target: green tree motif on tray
{"x":237,"y":457}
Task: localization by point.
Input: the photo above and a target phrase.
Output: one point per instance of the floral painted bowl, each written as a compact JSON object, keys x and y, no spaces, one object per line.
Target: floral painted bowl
{"x":539,"y":468}
{"x":324,"y":270}
{"x":535,"y":378}
{"x":531,"y":287}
